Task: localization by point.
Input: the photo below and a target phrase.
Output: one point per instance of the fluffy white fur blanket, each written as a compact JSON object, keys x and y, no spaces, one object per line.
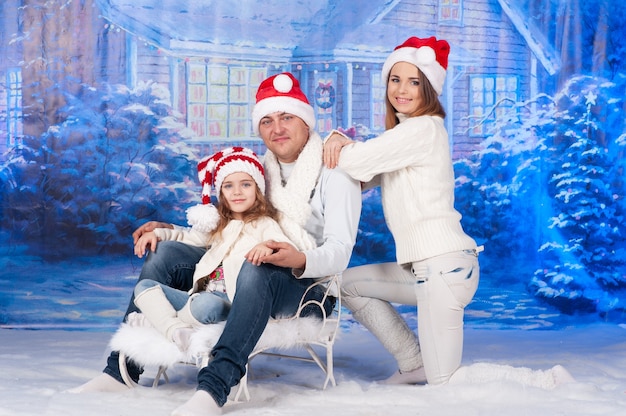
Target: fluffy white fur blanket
{"x":146,"y":346}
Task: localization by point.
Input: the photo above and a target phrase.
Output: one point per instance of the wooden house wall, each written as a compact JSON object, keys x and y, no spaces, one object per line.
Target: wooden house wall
{"x":11,"y":57}
{"x":361,"y":94}
{"x":152,"y":64}
{"x":486,"y":33}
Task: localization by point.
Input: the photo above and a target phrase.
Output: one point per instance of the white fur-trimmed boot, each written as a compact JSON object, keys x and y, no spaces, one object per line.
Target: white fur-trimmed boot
{"x":384,"y":321}
{"x":160,"y":313}
{"x":182,"y":336}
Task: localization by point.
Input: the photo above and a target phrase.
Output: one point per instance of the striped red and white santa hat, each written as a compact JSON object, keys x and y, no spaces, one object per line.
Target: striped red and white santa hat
{"x":429,"y":55}
{"x":212,"y":170}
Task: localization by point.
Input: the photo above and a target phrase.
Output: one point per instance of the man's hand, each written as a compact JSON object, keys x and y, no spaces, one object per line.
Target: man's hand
{"x":147,"y":240}
{"x":284,"y":255}
{"x":257,"y":253}
{"x":332,"y":149}
{"x":147,"y":227}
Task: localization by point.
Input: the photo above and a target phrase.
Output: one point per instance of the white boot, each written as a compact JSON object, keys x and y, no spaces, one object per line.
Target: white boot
{"x":159,"y":311}
{"x":185,"y":314}
{"x":138,"y":319}
{"x":417,"y":376}
{"x":200,"y":404}
{"x":182,"y":336}
{"x":384,"y":321}
{"x":101,"y":383}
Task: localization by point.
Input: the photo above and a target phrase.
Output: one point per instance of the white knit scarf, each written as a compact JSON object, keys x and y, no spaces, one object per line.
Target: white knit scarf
{"x":292,"y":200}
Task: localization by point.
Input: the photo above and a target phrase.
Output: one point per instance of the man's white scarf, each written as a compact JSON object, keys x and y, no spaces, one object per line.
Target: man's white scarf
{"x":292,"y":200}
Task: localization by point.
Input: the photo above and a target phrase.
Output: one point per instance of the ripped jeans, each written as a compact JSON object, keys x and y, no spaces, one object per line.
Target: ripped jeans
{"x":440,"y":286}
{"x":445,"y":285}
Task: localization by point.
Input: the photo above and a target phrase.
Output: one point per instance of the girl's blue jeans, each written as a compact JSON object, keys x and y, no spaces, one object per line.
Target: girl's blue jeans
{"x":206,"y":307}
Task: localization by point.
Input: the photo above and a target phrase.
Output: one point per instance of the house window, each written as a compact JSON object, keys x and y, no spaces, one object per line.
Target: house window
{"x":324,"y":101}
{"x":378,"y":91}
{"x":451,"y":12}
{"x":490,"y":97}
{"x":220,"y":99}
{"x":14,"y":107}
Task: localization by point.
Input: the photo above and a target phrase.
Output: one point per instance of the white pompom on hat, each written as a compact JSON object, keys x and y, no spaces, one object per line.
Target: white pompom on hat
{"x":429,"y":55}
{"x":282,"y":93}
{"x":212,"y":170}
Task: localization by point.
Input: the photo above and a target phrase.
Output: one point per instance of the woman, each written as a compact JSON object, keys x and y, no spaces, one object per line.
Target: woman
{"x":437,"y":263}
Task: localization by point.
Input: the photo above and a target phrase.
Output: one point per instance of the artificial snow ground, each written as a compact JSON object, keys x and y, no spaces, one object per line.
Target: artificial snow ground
{"x":38,"y":366}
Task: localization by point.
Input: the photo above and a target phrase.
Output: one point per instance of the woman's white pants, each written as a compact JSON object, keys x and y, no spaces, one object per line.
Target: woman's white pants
{"x":440,"y":286}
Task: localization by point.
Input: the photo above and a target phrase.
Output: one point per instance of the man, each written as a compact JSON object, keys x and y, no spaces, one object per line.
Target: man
{"x":320,"y":210}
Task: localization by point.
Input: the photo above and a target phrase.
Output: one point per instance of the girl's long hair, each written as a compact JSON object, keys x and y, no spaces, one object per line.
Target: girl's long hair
{"x":262,"y":208}
{"x":431,"y":106}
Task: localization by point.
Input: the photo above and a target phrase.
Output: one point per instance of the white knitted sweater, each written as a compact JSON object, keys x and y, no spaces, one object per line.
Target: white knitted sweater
{"x":417,"y":186}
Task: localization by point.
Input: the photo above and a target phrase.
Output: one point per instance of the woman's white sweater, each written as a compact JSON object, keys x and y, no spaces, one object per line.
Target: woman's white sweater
{"x":412,"y":161}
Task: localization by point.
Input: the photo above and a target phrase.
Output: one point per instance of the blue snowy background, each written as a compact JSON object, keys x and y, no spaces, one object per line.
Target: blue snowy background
{"x":108,"y":104}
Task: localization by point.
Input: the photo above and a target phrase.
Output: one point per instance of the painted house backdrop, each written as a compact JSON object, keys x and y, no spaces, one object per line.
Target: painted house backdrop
{"x":106,"y":105}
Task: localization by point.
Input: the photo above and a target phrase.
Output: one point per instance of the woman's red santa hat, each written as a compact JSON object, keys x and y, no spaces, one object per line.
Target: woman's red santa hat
{"x":212,"y":170}
{"x":282,"y":93}
{"x":429,"y":55}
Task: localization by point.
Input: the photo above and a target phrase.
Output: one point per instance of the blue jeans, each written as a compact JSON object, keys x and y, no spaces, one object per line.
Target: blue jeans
{"x":262,"y":292}
{"x":206,"y":307}
{"x":172,"y":264}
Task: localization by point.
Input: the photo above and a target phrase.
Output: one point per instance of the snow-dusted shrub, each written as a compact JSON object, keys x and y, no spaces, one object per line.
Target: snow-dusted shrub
{"x":584,"y":251}
{"x":545,"y":193}
{"x":115,"y":159}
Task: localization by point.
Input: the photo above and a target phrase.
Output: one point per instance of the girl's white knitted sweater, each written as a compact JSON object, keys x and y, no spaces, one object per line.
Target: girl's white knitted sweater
{"x":236,"y":240}
{"x":413,"y":164}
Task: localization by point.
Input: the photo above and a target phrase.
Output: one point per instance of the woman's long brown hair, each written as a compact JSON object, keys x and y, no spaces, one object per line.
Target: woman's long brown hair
{"x":431,"y":105}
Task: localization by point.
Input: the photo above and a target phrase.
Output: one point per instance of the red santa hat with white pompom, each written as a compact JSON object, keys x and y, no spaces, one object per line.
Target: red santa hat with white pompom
{"x":429,"y":55}
{"x":282,"y":93}
{"x":212,"y":170}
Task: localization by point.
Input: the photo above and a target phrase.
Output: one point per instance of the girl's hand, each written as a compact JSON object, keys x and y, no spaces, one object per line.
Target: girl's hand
{"x":285,"y":255}
{"x":258,"y":253}
{"x":145,"y":241}
{"x":332,"y":149}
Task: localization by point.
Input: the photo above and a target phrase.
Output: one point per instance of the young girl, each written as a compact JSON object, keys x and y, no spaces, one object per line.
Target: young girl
{"x":235,"y":231}
{"x":437,"y":263}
